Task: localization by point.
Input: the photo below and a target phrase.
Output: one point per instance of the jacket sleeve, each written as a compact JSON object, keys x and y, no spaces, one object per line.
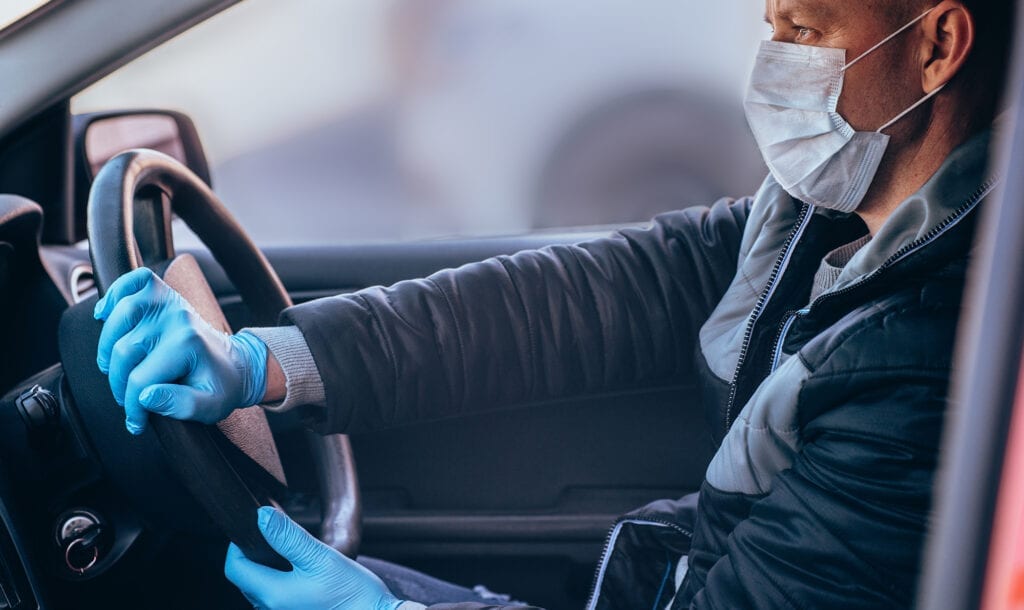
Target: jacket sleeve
{"x":566,"y":320}
{"x":844,"y":527}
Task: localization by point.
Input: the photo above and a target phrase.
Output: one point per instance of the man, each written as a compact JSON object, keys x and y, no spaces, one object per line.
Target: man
{"x":819,"y":316}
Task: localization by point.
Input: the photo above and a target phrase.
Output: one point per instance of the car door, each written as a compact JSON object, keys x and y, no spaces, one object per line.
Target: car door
{"x":974,"y":554}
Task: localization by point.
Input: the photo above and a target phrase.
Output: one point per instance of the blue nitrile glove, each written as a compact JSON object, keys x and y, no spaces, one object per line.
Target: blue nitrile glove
{"x":162,"y":357}
{"x":321,"y":577}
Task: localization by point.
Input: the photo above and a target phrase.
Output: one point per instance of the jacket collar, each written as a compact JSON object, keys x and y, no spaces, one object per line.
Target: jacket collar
{"x":937,"y":208}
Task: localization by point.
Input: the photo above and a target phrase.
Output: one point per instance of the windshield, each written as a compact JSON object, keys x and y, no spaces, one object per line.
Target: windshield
{"x":13,"y":10}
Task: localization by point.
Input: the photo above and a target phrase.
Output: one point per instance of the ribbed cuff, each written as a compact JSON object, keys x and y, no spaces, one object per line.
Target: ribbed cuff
{"x":253,"y":367}
{"x":303,"y":384}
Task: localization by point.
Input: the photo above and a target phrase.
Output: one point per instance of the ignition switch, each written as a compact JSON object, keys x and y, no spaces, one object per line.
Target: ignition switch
{"x":81,"y":534}
{"x":38,"y":408}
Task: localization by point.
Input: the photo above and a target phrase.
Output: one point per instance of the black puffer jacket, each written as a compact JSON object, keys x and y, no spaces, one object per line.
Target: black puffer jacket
{"x":828,"y":413}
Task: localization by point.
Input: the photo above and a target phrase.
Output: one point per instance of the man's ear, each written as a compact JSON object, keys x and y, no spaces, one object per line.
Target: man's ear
{"x":947,"y":43}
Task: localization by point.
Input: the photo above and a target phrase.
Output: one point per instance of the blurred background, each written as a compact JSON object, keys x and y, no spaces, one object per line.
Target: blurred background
{"x":328,"y":121}
{"x":12,"y":10}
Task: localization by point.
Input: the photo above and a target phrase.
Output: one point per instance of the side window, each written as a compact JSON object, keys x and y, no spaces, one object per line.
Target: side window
{"x":344,"y":120}
{"x":13,"y":10}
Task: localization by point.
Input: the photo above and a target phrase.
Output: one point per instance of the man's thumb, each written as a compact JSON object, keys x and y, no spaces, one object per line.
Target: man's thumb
{"x":289,"y":539}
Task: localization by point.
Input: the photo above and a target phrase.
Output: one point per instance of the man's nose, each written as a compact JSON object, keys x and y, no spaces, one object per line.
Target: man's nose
{"x":780,"y":35}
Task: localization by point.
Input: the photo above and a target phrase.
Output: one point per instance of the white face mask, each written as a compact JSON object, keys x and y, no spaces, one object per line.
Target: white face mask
{"x":810,"y":149}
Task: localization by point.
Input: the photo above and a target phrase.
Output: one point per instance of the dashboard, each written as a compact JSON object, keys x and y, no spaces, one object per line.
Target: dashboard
{"x":30,"y":302}
{"x":85,"y":509}
{"x":30,"y":310}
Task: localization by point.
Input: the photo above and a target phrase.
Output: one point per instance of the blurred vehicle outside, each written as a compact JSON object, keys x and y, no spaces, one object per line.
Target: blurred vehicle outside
{"x":358,"y":120}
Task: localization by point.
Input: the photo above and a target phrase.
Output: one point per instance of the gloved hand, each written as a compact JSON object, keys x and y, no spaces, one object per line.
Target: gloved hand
{"x":162,"y":357}
{"x":321,"y":577}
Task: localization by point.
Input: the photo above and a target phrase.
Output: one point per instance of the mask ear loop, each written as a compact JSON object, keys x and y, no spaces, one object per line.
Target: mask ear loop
{"x":880,"y":45}
{"x":887,"y":39}
{"x":912,"y":108}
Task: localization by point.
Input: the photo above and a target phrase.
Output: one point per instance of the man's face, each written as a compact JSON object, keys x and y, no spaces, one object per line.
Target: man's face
{"x":881,"y":85}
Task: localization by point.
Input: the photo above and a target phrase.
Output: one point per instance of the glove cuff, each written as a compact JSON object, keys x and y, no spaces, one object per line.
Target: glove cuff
{"x":253,"y":367}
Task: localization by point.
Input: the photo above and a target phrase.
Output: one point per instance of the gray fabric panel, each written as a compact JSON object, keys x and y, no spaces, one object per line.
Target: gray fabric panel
{"x":765,"y":438}
{"x":771,"y":221}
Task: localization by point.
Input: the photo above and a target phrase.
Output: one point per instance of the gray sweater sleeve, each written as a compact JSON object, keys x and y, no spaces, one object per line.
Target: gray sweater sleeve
{"x":303,"y":384}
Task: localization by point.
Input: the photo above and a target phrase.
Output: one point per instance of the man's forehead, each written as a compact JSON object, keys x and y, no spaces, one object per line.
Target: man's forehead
{"x":790,"y":8}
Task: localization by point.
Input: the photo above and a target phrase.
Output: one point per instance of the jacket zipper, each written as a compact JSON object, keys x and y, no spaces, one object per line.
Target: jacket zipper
{"x":780,"y":339}
{"x":762,"y":302}
{"x":900,"y":254}
{"x":612,"y":534}
{"x":933,"y":234}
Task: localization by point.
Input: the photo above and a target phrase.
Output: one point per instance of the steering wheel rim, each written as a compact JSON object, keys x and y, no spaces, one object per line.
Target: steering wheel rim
{"x":230,"y":497}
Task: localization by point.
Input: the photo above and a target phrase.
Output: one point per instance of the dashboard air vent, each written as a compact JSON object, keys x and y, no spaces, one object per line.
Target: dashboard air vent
{"x":83,"y":283}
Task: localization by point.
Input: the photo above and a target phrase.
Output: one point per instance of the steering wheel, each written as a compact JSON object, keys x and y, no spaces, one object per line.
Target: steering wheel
{"x":231,"y":468}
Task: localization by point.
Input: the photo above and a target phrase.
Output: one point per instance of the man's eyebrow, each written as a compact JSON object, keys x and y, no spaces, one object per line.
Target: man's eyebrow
{"x":801,"y":9}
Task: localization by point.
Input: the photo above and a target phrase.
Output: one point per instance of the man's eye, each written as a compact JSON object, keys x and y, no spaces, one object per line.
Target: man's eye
{"x":803,"y":32}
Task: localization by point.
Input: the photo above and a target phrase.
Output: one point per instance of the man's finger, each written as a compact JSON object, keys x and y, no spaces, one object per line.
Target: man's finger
{"x":123,"y":318}
{"x":162,"y":366}
{"x":250,"y":577}
{"x":126,"y":285}
{"x":131,"y":350}
{"x":288,"y":538}
{"x":173,"y":400}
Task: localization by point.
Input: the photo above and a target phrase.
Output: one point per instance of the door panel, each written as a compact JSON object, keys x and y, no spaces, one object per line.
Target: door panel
{"x":520,"y":499}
